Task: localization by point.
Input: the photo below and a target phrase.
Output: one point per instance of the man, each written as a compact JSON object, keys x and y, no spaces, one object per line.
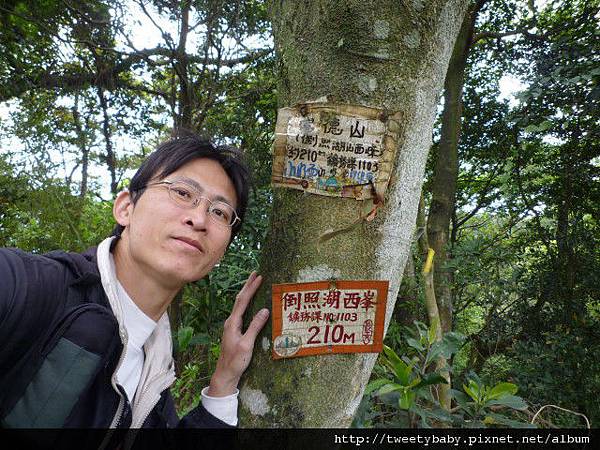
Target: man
{"x":85,"y":337}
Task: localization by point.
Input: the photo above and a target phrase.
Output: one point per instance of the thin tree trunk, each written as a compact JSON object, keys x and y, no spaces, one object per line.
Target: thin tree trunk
{"x":83,"y":148}
{"x":431,"y":304}
{"x":185,"y":100}
{"x":566,"y":265}
{"x":443,"y":202}
{"x":110,"y":154}
{"x":433,"y":313}
{"x":384,"y":53}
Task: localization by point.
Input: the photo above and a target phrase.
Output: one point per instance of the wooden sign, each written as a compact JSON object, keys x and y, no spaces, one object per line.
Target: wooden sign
{"x":337,"y":150}
{"x":328,"y":317}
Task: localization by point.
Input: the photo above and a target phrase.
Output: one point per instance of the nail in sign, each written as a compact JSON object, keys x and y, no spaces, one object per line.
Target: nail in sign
{"x":328,"y":317}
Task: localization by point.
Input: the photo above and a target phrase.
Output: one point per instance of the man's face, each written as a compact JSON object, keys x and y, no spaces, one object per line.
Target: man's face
{"x":172,"y":244}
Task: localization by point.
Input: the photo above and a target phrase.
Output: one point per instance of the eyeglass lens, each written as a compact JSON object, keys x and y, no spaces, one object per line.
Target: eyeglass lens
{"x":219,"y":211}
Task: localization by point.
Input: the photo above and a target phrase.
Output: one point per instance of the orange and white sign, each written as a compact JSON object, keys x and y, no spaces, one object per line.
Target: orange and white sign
{"x":328,"y":317}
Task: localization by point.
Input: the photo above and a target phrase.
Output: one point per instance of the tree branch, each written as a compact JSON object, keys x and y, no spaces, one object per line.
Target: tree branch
{"x":108,"y":78}
{"x":168,"y":40}
{"x":495,"y":35}
{"x":83,"y":15}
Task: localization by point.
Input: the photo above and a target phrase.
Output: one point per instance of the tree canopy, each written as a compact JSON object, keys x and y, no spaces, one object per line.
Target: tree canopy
{"x":88,"y":89}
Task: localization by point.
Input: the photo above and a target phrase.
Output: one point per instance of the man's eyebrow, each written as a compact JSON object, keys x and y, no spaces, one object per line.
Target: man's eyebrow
{"x":200,"y":189}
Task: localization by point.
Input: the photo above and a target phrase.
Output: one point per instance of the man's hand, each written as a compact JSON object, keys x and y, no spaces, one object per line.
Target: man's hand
{"x":236,"y":347}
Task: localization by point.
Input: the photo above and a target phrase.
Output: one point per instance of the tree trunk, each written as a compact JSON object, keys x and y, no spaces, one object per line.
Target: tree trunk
{"x":443,"y":201}
{"x":431,"y":304}
{"x":110,"y":153}
{"x":566,"y":262}
{"x":384,"y":53}
{"x":83,"y":147}
{"x":185,"y":101}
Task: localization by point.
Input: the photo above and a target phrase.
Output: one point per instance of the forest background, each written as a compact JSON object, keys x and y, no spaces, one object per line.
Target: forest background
{"x":510,"y":199}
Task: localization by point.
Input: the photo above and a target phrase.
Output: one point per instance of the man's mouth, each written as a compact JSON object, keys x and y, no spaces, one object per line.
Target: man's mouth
{"x":191,"y":242}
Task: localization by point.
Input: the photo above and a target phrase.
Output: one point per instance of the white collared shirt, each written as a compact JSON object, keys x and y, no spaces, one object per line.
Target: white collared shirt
{"x":139,"y":327}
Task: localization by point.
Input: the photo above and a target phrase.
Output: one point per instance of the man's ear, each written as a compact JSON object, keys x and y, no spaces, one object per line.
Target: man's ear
{"x":122,"y":208}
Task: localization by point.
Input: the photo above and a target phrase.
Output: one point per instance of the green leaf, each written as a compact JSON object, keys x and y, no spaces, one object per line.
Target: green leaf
{"x":422,"y":329}
{"x":474,"y":377}
{"x":390,"y":387}
{"x":545,"y":125}
{"x":510,"y":401}
{"x":399,"y":367}
{"x":502,"y":389}
{"x":406,"y":400}
{"x":452,"y":343}
{"x":531,"y":128}
{"x":440,"y":414}
{"x":423,"y":414}
{"x":433,"y":378}
{"x":460,"y":397}
{"x":184,"y":336}
{"x":449,"y":345}
{"x":415,"y":382}
{"x":415,"y":344}
{"x":200,"y":339}
{"x":502,"y":420}
{"x":375,"y":384}
{"x":474,"y":390}
{"x":435,"y":351}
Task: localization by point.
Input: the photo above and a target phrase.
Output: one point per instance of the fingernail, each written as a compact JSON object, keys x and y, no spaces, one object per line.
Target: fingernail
{"x":264,"y":313}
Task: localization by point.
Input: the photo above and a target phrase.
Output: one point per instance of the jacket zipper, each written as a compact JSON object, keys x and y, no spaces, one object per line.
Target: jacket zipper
{"x":130,"y":438}
{"x":113,"y":380}
{"x":149,"y":406}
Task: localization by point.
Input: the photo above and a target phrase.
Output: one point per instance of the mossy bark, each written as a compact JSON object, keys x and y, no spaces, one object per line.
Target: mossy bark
{"x":387,"y":54}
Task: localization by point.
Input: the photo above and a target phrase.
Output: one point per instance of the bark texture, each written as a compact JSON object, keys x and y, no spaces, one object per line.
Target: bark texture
{"x":387,"y":54}
{"x":443,"y":189}
{"x":431,"y":304}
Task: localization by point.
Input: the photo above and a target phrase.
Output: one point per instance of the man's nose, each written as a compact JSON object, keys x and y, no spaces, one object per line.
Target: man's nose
{"x":199,"y":215}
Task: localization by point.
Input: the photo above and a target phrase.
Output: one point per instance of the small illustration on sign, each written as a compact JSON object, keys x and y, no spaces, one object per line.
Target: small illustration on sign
{"x":328,"y":317}
{"x":286,"y":345}
{"x":336,"y":150}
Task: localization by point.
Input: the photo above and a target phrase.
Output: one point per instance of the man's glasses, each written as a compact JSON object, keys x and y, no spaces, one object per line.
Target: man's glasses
{"x":187,"y":197}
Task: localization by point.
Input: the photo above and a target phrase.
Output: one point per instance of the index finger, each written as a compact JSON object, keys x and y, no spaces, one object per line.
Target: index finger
{"x":246,"y":293}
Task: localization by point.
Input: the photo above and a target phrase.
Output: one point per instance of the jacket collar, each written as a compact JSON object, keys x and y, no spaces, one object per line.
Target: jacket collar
{"x":158,"y":372}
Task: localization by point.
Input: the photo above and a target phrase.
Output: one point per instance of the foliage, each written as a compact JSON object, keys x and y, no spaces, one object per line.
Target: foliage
{"x":86,"y":92}
{"x":561,"y":368}
{"x":41,"y":217}
{"x":407,"y":386}
{"x":524,"y":240}
{"x":479,"y":404}
{"x":187,"y":389}
{"x":83,"y":103}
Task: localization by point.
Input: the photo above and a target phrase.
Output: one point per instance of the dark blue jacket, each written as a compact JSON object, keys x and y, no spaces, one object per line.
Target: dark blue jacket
{"x":59,"y":346}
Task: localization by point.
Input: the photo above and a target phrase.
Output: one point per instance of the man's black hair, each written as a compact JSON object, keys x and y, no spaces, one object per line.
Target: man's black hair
{"x":183,"y":148}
